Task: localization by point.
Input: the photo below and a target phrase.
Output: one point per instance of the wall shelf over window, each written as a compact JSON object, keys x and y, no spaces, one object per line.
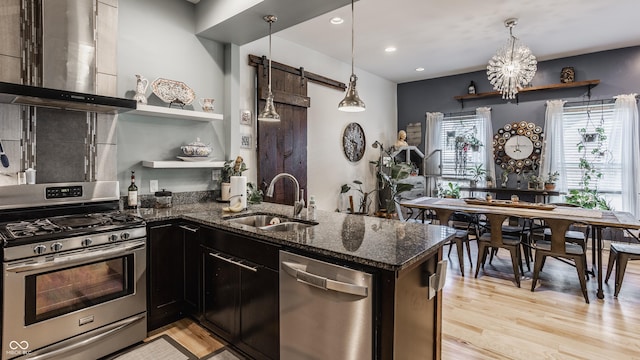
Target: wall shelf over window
{"x":172,"y":113}
{"x":183,"y":164}
{"x":587,"y":83}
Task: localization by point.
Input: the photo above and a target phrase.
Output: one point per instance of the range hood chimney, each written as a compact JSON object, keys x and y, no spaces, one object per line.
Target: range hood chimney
{"x":64,"y":60}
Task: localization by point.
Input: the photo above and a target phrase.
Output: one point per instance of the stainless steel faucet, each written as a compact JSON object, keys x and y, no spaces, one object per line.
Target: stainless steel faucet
{"x":297,"y":205}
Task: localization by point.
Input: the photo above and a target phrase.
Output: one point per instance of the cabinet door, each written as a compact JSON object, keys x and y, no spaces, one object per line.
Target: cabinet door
{"x":165,"y":275}
{"x":221,"y":294}
{"x":259,"y":314}
{"x":191,"y":269}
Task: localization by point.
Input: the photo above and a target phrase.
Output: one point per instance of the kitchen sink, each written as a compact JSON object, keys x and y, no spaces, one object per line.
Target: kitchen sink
{"x":271,"y":222}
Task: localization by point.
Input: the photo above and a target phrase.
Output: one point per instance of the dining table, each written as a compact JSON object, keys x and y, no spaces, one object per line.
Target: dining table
{"x":595,"y":218}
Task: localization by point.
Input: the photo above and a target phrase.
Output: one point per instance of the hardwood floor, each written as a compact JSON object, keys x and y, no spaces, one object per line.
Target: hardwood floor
{"x":490,"y":318}
{"x":190,"y":335}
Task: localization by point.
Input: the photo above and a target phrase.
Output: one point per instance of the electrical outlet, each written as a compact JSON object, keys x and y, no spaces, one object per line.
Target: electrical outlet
{"x":215,"y":174}
{"x":153,"y":186}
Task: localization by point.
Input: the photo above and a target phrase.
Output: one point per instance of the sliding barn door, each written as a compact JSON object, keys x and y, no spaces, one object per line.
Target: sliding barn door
{"x":282,"y":146}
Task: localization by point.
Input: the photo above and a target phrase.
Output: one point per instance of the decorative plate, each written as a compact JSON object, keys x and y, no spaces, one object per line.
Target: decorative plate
{"x":170,"y":90}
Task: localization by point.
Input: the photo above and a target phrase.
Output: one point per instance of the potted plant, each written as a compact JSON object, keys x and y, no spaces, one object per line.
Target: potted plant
{"x":505,"y":176}
{"x":364,"y":198}
{"x":230,"y":168}
{"x":254,"y":194}
{"x":476,"y":174}
{"x":489,"y":180}
{"x":534,"y":181}
{"x":550,"y":180}
{"x":389,"y":174}
{"x":451,"y":191}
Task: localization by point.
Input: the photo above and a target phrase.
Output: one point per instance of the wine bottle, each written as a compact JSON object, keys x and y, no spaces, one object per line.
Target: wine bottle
{"x":132,"y":199}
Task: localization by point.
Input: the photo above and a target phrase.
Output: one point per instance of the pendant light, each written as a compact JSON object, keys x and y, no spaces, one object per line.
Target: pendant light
{"x":513,"y":66}
{"x":351,"y":101}
{"x":269,"y":112}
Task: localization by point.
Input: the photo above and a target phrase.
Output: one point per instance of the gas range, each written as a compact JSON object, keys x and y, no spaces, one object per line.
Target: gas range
{"x":48,"y":219}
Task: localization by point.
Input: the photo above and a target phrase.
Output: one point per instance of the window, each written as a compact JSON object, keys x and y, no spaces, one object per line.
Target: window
{"x":462,"y":145}
{"x":608,"y":162}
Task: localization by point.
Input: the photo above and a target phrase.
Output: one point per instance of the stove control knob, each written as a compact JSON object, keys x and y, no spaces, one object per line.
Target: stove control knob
{"x":56,"y":246}
{"x":86,"y":242}
{"x":40,"y":249}
{"x":125,"y":236}
{"x":113,"y":237}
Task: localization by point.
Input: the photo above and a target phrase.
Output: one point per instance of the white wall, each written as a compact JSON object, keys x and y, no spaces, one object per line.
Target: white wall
{"x":327,"y":167}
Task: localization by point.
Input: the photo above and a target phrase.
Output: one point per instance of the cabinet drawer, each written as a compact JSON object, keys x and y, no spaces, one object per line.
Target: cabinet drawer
{"x":244,"y":247}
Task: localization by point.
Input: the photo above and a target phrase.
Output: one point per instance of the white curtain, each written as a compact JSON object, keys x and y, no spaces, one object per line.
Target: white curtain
{"x":432,"y":138}
{"x":486,"y":134}
{"x":626,"y":113}
{"x":552,"y":157}
{"x":433,"y":131}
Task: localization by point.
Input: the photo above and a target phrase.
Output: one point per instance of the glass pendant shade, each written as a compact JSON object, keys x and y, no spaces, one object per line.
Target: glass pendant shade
{"x":512,"y":67}
{"x":351,"y":101}
{"x":269,"y":112}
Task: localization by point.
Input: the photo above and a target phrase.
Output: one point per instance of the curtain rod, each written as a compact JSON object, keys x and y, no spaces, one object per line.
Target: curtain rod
{"x":594,"y":101}
{"x":460,"y":113}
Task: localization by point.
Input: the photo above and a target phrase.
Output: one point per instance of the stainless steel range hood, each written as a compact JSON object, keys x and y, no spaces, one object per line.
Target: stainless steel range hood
{"x":62,"y":99}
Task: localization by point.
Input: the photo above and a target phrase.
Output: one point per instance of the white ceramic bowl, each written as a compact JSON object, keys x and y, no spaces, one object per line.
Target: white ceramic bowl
{"x":196,"y":148}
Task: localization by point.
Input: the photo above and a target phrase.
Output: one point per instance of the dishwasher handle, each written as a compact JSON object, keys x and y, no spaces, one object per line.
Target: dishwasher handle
{"x":298,"y":271}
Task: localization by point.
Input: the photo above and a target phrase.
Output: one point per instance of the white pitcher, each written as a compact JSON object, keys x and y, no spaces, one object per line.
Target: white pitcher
{"x":141,"y":89}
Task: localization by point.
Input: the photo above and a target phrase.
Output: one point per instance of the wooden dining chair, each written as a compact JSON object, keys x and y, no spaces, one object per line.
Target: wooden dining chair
{"x":559,"y":247}
{"x":495,"y":239}
{"x":619,"y":255}
{"x":463,"y":228}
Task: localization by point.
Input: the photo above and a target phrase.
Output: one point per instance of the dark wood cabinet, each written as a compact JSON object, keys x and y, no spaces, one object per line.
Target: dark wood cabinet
{"x":165,"y":275}
{"x":240,"y":295}
{"x":173,"y":273}
{"x":192,"y":273}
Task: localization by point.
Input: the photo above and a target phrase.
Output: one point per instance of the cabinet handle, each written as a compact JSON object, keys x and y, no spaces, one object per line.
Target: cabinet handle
{"x":161,"y":226}
{"x":189,"y":228}
{"x":217,"y":255}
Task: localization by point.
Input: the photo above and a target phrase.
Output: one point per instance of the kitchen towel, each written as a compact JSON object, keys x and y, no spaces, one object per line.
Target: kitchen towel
{"x":238,"y":191}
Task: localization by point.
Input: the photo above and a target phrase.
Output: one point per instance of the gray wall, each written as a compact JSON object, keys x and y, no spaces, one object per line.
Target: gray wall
{"x":618,"y":72}
{"x":156,"y":40}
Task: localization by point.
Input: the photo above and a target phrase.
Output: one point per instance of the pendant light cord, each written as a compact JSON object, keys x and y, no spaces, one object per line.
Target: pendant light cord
{"x":270,"y":23}
{"x":353,"y":53}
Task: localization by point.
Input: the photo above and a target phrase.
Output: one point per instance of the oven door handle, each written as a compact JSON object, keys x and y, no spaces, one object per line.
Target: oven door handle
{"x":77,"y":258}
{"x":75,"y":345}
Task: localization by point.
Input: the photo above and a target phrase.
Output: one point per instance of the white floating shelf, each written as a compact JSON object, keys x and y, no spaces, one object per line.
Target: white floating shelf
{"x":167,"y":112}
{"x":183,"y":164}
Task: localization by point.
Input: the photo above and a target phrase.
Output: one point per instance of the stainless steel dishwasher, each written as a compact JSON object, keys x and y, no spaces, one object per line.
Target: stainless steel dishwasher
{"x":326,"y":310}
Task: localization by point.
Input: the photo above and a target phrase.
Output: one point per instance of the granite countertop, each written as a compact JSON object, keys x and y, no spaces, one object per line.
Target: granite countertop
{"x":372,"y":241}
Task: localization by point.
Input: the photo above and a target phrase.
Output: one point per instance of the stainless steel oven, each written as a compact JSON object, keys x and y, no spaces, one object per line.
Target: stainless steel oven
{"x":74,"y":284}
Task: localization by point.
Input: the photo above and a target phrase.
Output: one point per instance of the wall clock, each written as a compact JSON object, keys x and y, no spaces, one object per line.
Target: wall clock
{"x":353,"y":142}
{"x":517,"y":146}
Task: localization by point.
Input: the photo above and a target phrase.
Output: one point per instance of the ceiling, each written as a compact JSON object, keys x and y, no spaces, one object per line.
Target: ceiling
{"x":459,"y":36}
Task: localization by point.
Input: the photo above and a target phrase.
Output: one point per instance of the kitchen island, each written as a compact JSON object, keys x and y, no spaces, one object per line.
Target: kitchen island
{"x":399,"y":256}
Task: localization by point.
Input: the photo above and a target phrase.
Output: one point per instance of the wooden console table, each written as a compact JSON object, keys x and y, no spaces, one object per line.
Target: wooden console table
{"x":505,"y":193}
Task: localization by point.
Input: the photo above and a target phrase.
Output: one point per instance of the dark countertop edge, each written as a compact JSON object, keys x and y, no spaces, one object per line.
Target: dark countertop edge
{"x":193,"y":216}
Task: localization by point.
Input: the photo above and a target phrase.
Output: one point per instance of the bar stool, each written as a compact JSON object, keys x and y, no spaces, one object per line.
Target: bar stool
{"x":620,"y":254}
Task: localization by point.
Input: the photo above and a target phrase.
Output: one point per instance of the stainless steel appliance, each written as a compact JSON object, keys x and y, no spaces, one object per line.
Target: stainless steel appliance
{"x":326,"y":311}
{"x":73,"y":272}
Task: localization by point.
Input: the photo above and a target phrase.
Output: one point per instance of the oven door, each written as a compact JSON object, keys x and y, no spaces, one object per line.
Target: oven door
{"x":52,"y":298}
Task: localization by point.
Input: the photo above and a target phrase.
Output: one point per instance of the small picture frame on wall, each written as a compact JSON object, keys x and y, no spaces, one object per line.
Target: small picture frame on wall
{"x":245,"y":117}
{"x":245,"y":141}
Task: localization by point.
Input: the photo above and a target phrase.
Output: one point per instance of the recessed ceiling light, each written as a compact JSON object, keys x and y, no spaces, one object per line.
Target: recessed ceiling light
{"x":337,"y":20}
{"x":420,"y":69}
{"x":390,"y":49}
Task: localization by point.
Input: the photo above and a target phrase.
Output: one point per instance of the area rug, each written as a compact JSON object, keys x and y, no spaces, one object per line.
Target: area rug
{"x":224,"y":354}
{"x":160,"y":348}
